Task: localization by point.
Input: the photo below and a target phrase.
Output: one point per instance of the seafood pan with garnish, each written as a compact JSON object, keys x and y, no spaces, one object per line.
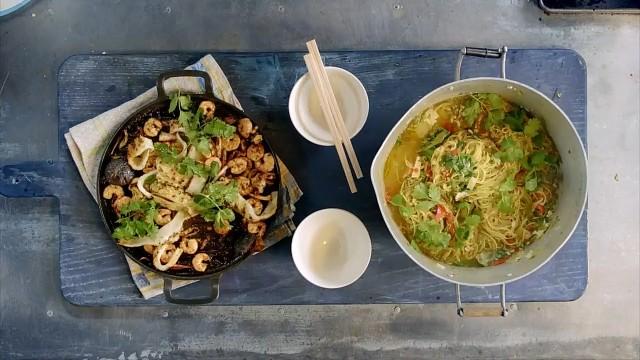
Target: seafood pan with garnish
{"x":188,"y":185}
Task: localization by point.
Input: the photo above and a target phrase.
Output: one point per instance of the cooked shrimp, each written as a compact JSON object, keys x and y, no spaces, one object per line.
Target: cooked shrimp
{"x":255,"y":152}
{"x":163,"y":217}
{"x":244,"y":185}
{"x":257,"y":228}
{"x":256,"y":205}
{"x":152,"y":127}
{"x":112,"y":190}
{"x":189,"y":246}
{"x":238,"y":165}
{"x":120,"y":202}
{"x":245,"y":127}
{"x":199,"y":262}
{"x":208,"y":108}
{"x":266,"y":164}
{"x":232,"y":143}
{"x":149,"y":249}
{"x":222,"y":229}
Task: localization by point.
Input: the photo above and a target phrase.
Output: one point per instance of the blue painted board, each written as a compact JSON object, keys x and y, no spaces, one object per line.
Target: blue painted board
{"x":93,"y":271}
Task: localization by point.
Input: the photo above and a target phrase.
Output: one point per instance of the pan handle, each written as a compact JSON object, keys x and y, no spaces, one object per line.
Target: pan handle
{"x":484,"y":53}
{"x":214,"y":283}
{"x":208,"y":88}
{"x":484,"y":311}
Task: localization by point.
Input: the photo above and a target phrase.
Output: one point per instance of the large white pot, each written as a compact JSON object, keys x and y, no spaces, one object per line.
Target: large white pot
{"x":572,"y":193}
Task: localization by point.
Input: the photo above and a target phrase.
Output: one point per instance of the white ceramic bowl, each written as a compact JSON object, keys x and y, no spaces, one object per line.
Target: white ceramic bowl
{"x":306,"y":113}
{"x":331,"y":248}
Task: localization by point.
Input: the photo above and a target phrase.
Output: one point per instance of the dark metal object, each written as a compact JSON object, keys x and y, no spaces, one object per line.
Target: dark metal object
{"x":243,"y":243}
{"x":590,"y":6}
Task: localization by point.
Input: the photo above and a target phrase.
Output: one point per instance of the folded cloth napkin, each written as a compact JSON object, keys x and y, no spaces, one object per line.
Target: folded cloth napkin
{"x":87,"y":141}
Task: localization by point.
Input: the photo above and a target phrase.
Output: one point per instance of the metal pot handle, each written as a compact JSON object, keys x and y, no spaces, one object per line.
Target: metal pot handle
{"x":484,"y":53}
{"x":208,"y":88}
{"x":483,"y":311}
{"x":214,"y":283}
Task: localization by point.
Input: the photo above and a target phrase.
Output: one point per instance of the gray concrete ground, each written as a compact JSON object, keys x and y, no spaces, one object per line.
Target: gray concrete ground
{"x":35,"y":321}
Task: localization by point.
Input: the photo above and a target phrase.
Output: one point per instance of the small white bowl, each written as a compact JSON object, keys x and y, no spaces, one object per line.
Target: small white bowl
{"x":306,"y":113}
{"x":331,"y":248}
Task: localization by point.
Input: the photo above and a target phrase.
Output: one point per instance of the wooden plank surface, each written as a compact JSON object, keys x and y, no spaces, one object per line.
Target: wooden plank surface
{"x":93,"y":272}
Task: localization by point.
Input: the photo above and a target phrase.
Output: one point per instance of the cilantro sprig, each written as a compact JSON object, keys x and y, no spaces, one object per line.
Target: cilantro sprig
{"x":136,"y":220}
{"x":185,"y":166}
{"x":510,"y":150}
{"x":460,"y":164}
{"x":212,"y":204}
{"x":432,"y":141}
{"x":198,"y":133}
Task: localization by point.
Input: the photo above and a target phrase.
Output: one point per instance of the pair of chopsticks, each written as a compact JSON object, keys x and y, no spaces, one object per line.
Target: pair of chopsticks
{"x":332,"y":114}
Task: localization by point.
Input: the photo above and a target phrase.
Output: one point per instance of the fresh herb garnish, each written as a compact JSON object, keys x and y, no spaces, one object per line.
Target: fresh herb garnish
{"x":198,"y":134}
{"x":533,"y":127}
{"x":461,"y":164}
{"x":431,"y":233}
{"x":136,"y":220}
{"x":510,"y":150}
{"x":464,"y":230}
{"x":515,"y":119}
{"x":219,"y":128}
{"x":212,"y":204}
{"x":505,"y":204}
{"x":185,"y":166}
{"x":432,"y":141}
{"x":476,"y":104}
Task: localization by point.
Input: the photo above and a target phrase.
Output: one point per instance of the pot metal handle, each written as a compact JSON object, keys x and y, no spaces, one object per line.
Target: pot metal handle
{"x":208,"y":88}
{"x":483,"y":311}
{"x":214,"y":283}
{"x":484,"y":53}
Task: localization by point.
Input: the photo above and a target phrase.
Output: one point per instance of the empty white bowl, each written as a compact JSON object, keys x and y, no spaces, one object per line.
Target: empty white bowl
{"x":331,"y":248}
{"x":306,"y":113}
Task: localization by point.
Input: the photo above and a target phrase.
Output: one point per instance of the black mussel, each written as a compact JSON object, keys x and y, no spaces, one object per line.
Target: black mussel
{"x":118,"y":172}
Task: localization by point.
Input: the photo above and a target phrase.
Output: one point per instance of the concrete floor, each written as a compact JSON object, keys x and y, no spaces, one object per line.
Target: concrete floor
{"x":35,"y":321}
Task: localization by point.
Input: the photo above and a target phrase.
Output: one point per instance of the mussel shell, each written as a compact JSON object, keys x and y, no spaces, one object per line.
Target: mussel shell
{"x":118,"y":172}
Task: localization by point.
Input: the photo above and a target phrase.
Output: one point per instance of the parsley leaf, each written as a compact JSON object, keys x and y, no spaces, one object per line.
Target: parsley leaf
{"x":405,"y":210}
{"x":218,"y":128}
{"x":430,"y":232}
{"x":190,"y":167}
{"x":212,"y":204}
{"x":505,"y":205}
{"x":531,"y":181}
{"x":510,"y":150}
{"x":420,"y":191}
{"x":434,"y":192}
{"x":432,"y":141}
{"x":494,"y":117}
{"x":464,"y":230}
{"x":166,"y":154}
{"x":509,"y":184}
{"x":515,"y":119}
{"x":461,"y":164}
{"x":533,"y":127}
{"x":472,"y":110}
{"x":136,"y":220}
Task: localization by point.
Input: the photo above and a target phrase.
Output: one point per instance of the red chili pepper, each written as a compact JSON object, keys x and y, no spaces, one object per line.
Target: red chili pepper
{"x":499,"y":261}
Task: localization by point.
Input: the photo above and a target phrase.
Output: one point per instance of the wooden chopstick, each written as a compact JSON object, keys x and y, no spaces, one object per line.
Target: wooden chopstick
{"x":324,"y":104}
{"x":312,"y":46}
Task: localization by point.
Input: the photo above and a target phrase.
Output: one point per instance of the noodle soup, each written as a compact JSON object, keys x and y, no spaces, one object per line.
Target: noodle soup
{"x":473,"y":180}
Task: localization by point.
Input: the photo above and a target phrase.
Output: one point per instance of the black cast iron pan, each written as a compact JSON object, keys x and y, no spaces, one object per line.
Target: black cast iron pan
{"x":239,"y":243}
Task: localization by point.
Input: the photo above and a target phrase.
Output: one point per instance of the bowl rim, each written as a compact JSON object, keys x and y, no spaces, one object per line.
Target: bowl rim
{"x":402,"y":243}
{"x":293,"y":104}
{"x":296,"y":239}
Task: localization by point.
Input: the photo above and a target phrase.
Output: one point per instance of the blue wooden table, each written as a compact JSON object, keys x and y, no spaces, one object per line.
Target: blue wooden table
{"x":93,"y":271}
